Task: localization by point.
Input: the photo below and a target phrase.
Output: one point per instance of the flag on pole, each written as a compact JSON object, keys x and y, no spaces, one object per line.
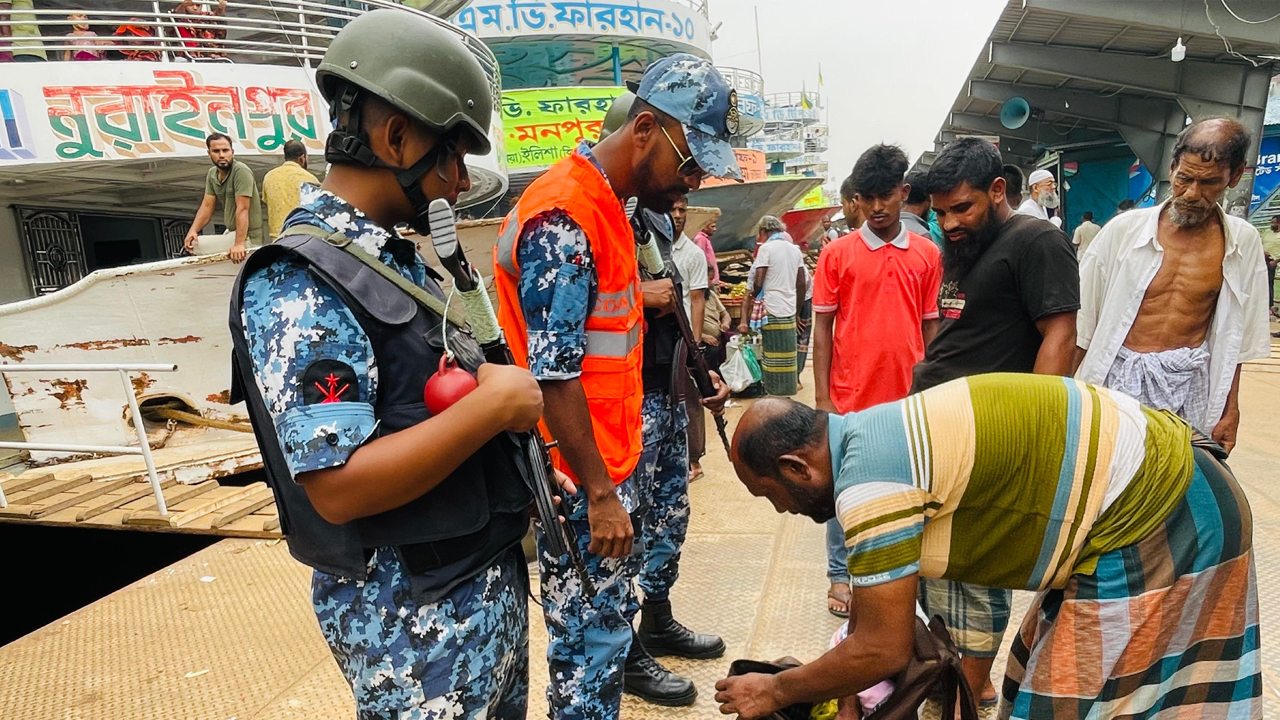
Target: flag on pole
{"x":819,"y":74}
{"x":804,"y":97}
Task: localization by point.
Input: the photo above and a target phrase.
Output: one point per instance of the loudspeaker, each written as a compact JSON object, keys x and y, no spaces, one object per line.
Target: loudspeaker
{"x":1014,"y":113}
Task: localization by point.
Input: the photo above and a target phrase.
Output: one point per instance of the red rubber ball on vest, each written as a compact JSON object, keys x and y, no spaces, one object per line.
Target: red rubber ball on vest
{"x":449,"y":385}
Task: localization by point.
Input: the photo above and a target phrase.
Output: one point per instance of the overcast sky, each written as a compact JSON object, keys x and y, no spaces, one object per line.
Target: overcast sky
{"x":891,"y":68}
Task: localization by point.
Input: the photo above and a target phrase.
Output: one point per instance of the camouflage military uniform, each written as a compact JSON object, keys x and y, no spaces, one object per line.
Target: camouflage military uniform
{"x":587,"y":638}
{"x":662,"y":481}
{"x":461,"y":655}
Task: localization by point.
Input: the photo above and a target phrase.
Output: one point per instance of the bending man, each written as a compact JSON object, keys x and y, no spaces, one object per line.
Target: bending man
{"x":1140,"y":543}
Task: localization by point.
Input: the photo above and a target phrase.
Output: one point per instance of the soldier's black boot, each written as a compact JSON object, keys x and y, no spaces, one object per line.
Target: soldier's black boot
{"x":661,"y":634}
{"x":645,"y":678}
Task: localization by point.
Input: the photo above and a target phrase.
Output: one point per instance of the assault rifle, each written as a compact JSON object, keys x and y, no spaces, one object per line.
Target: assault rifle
{"x":559,"y":535}
{"x":651,"y":259}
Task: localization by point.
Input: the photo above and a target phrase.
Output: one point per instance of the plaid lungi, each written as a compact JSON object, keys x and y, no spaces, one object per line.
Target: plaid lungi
{"x":1165,"y":628}
{"x":778,"y":341}
{"x":802,"y":341}
{"x":976,"y":616}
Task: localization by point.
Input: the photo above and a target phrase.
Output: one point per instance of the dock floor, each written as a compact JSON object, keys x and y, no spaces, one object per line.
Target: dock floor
{"x":228,"y":633}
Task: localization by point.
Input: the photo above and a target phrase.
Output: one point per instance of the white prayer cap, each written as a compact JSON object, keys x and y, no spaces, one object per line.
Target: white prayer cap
{"x":1038,"y":176}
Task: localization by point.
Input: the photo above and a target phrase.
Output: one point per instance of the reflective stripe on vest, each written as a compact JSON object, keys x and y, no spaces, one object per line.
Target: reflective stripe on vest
{"x":601,"y":343}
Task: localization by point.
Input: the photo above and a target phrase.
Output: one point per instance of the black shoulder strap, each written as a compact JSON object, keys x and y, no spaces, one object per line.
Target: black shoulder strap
{"x":422,"y":297}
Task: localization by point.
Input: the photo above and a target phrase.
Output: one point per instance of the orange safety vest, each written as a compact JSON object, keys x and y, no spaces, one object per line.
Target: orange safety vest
{"x":611,"y":367}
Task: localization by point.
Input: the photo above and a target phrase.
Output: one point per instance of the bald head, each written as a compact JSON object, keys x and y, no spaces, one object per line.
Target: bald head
{"x":780,"y":452}
{"x":1218,"y":140}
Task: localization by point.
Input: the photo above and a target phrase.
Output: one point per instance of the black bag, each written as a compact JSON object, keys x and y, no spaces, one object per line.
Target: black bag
{"x":934,"y":669}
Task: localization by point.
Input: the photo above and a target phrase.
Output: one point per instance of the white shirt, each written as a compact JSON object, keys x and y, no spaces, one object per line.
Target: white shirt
{"x":692,"y":264}
{"x":1034,"y":209}
{"x":1115,"y":272}
{"x":1084,"y":235}
{"x":783,"y":260}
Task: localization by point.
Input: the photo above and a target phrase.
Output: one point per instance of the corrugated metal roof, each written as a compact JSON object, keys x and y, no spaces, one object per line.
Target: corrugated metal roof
{"x":1052,"y":29}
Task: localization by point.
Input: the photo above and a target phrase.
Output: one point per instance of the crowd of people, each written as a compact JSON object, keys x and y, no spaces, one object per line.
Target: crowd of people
{"x":996,"y":409}
{"x":197,"y":26}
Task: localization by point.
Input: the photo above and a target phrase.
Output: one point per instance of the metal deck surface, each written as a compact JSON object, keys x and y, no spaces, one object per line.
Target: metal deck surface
{"x":228,"y":632}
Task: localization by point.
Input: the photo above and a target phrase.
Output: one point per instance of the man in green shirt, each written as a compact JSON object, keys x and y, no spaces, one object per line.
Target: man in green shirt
{"x":1138,"y":542}
{"x":231,"y":183}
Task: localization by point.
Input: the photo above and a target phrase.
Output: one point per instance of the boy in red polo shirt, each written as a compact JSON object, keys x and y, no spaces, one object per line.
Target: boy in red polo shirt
{"x":875,"y":307}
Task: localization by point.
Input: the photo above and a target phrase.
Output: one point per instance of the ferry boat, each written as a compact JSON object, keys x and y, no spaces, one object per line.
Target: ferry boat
{"x":102,"y":167}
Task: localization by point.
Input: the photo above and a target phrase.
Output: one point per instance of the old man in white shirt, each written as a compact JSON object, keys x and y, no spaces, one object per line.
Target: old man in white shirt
{"x":1042,"y":193}
{"x":1174,"y":298}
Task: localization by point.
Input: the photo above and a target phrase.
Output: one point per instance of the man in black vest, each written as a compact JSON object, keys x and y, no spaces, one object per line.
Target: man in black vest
{"x":412,"y":522}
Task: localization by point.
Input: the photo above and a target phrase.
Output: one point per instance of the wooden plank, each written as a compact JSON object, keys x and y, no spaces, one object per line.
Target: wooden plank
{"x":272,"y":524}
{"x":260,"y":498}
{"x":178,"y":519}
{"x":38,"y":495}
{"x":27,"y":484}
{"x":181,"y":496}
{"x":99,"y":491}
{"x":141,"y":492}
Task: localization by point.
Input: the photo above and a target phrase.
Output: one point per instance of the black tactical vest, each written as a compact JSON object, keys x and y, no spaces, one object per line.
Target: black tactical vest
{"x":480,"y":508}
{"x":663,"y":364}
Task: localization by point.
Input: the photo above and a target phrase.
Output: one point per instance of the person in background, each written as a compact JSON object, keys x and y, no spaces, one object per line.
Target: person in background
{"x":200,"y":29}
{"x":804,"y":325}
{"x":1172,"y":296}
{"x":1271,"y":246}
{"x":716,"y":324}
{"x":231,"y":183}
{"x":281,"y":184}
{"x":703,"y":240}
{"x":779,"y":275}
{"x":24,"y":26}
{"x":1010,"y":291}
{"x":853,"y":218}
{"x":1013,"y":179}
{"x":1137,"y":542}
{"x":85,"y":45}
{"x":136,"y":37}
{"x":1042,"y":193}
{"x":829,"y":231}
{"x":915,"y":209}
{"x":1124,"y":206}
{"x":691,"y":262}
{"x":876,"y":299}
{"x":1084,"y":233}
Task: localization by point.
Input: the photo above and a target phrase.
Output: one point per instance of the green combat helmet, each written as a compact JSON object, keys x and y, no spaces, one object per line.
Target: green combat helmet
{"x":617,"y":115}
{"x":417,"y":65}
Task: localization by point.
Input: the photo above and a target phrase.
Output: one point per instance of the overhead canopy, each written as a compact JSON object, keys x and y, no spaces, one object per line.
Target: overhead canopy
{"x":1098,"y":72}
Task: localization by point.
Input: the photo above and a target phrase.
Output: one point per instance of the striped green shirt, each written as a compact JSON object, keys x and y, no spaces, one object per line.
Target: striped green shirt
{"x":1003,"y":480}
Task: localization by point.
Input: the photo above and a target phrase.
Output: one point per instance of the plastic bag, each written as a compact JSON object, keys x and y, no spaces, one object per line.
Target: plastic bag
{"x":740,"y":369}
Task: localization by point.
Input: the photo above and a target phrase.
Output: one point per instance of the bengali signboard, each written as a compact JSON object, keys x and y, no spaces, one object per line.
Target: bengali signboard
{"x":117,"y":111}
{"x":1266,"y":176}
{"x":674,"y":22}
{"x":791,"y":113}
{"x":776,"y":147}
{"x":543,"y":125}
{"x":750,"y":162}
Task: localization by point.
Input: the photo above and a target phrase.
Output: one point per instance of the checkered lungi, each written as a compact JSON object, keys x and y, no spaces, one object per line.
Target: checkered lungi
{"x":1165,"y":628}
{"x":778,"y":342}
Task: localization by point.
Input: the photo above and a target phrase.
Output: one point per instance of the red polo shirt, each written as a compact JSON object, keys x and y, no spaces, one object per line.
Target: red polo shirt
{"x":880,"y":293}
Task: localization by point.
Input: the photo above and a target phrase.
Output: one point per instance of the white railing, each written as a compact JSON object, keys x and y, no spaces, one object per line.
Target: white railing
{"x":143,"y":448}
{"x":293,"y":32}
{"x":807,"y":98}
{"x":744,"y":81}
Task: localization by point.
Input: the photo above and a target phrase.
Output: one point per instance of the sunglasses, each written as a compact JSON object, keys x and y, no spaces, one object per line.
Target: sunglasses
{"x":688,"y":166}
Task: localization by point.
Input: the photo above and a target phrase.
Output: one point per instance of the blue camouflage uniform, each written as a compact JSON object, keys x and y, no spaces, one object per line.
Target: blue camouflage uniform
{"x":588,"y":638}
{"x":463,"y":654}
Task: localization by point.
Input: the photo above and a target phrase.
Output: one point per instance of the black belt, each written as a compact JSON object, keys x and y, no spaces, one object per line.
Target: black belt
{"x":427,"y":556}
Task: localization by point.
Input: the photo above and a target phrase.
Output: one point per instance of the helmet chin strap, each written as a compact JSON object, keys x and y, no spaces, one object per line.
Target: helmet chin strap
{"x":347,"y":144}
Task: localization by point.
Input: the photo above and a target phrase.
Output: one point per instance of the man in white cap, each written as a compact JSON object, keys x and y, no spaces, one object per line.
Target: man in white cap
{"x":1043,"y":194}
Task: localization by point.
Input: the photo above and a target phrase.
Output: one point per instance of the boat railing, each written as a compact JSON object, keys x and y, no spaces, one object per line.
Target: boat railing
{"x":745,"y":81}
{"x":143,"y":448}
{"x":273,"y":32}
{"x":803,"y":98}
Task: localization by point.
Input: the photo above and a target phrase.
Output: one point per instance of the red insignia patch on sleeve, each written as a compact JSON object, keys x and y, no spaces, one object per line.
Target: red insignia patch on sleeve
{"x":329,"y":381}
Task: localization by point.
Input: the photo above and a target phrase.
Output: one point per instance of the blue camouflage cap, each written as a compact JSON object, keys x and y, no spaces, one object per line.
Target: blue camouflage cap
{"x":695,"y":94}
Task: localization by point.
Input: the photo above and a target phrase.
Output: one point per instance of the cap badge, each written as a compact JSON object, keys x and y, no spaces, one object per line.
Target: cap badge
{"x":731,"y":115}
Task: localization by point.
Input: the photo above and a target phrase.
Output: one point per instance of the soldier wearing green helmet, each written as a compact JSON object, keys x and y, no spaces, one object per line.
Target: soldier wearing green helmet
{"x":411,"y":520}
